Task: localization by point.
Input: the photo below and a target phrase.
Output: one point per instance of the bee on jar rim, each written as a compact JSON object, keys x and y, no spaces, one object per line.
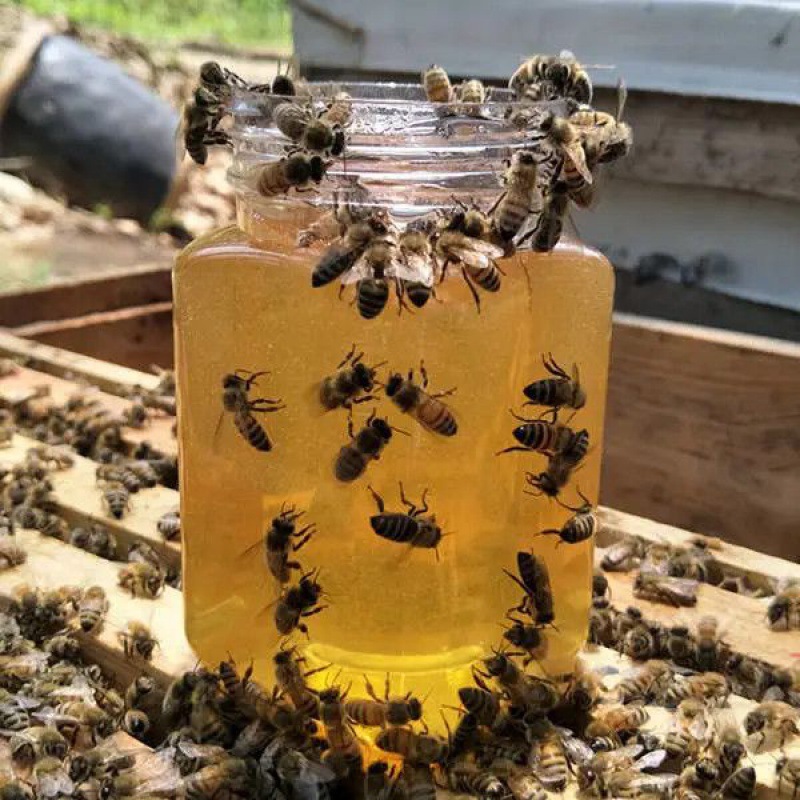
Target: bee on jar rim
{"x":198,"y":127}
{"x":470,"y":96}
{"x":416,"y":267}
{"x":373,"y":277}
{"x":437,"y":85}
{"x":664,"y":589}
{"x":298,"y":602}
{"x":427,"y":409}
{"x":378,"y":712}
{"x":454,"y":244}
{"x":521,"y":197}
{"x":296,"y":170}
{"x":343,"y":254}
{"x":236,"y":400}
{"x":415,"y":527}
{"x":364,"y":446}
{"x":137,"y":640}
{"x":339,"y":111}
{"x":310,"y":132}
{"x":534,"y":580}
{"x":281,"y":539}
{"x":542,"y":77}
{"x":352,"y":383}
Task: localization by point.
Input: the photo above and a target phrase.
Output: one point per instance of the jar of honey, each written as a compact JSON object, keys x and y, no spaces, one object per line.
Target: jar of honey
{"x":400,"y":519}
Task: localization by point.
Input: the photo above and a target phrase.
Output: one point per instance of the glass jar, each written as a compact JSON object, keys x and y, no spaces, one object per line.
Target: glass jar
{"x":244,"y":301}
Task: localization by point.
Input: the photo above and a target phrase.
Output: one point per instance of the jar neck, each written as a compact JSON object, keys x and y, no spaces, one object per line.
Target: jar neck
{"x":403,"y":154}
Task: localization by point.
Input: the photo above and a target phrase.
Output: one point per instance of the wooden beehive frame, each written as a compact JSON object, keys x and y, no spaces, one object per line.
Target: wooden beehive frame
{"x":52,"y":562}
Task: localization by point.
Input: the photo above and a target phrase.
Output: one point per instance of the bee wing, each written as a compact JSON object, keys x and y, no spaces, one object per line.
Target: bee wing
{"x":52,"y":784}
{"x":479,"y":257}
{"x":651,"y":760}
{"x":414,"y":267}
{"x":191,"y":749}
{"x":574,"y":152}
{"x":577,"y":751}
{"x":698,"y":727}
{"x":157,"y":773}
{"x":360,"y":270}
{"x":309,"y":772}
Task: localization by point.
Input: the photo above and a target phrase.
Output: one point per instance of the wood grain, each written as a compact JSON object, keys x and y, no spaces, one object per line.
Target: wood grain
{"x":52,"y":563}
{"x":78,"y":500}
{"x":703,"y":432}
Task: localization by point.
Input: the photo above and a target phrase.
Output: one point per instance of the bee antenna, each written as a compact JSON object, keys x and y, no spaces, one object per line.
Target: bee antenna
{"x":399,"y":430}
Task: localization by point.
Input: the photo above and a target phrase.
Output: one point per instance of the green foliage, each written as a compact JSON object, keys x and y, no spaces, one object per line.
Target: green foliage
{"x":263,"y":23}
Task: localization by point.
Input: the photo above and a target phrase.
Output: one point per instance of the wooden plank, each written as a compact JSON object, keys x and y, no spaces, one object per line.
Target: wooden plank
{"x":134,"y":337}
{"x":134,"y":286}
{"x":736,"y":559}
{"x":52,"y":563}
{"x":78,"y":500}
{"x":703,"y":432}
{"x":109,"y":376}
{"x":744,"y":618}
{"x":22,"y":384}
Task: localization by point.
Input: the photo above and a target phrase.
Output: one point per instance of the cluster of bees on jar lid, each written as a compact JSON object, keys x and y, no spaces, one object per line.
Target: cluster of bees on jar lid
{"x":563,"y":143}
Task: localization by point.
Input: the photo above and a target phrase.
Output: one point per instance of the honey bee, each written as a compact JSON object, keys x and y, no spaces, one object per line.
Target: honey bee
{"x":728,"y":747}
{"x":63,"y":647}
{"x":644,"y":683}
{"x":550,"y":761}
{"x":530,"y":639}
{"x":116,"y":499}
{"x":230,"y":777}
{"x":535,"y":695}
{"x":141,"y":580}
{"x":551,"y":76}
{"x":470,"y":96}
{"x":551,"y":438}
{"x":343,"y":254}
{"x":379,"y":712}
{"x":297,"y":170}
{"x":605,"y":135}
{"x":641,"y":642}
{"x":11,"y":554}
{"x":664,"y":589}
{"x":551,"y":221}
{"x":95,"y":539}
{"x":339,"y":111}
{"x":139,"y":691}
{"x":427,"y":409}
{"x":772,"y":718}
{"x":136,"y":722}
{"x":712,"y":687}
{"x":534,"y":580}
{"x":416,"y":253}
{"x":455,"y":244}
{"x":169,"y":526}
{"x":297,"y":603}
{"x":624,"y":555}
{"x":741,"y":785}
{"x":373,"y":276}
{"x":520,"y":198}
{"x":481,"y":703}
{"x":352,"y":383}
{"x":338,"y":731}
{"x":437,"y":85}
{"x":616,"y":719}
{"x":50,"y":778}
{"x":291,"y":680}
{"x":465,"y":777}
{"x":707,"y":643}
{"x":92,"y":608}
{"x":37,"y":742}
{"x":787,"y":771}
{"x":364,"y":446}
{"x":415,"y":527}
{"x":783,"y":612}
{"x":279,"y":542}
{"x":199,"y":120}
{"x":312,"y":133}
{"x":416,"y":748}
{"x":553,"y":479}
{"x":236,"y":400}
{"x":116,"y":473}
{"x":137,"y":641}
{"x":680,"y":646}
{"x":581,"y":526}
{"x":601,"y":623}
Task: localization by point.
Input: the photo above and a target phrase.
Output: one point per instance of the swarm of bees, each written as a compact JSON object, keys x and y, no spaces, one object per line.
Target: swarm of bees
{"x":560,"y":142}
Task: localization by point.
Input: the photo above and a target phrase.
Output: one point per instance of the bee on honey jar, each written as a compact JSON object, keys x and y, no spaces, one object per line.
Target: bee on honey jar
{"x":236,"y":400}
{"x":415,"y":527}
{"x":364,"y":446}
{"x":551,"y":438}
{"x":298,"y":603}
{"x":427,"y":409}
{"x":350,"y":384}
{"x":557,"y":391}
{"x":578,"y":528}
{"x":534,"y":580}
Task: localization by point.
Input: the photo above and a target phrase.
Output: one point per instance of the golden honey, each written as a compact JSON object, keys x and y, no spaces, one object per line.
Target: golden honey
{"x":247,"y":303}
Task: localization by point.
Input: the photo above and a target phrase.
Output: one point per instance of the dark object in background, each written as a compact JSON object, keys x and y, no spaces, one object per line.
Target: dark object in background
{"x":95,"y":135}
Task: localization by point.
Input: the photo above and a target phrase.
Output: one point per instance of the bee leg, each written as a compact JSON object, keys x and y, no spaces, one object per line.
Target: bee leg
{"x":472,"y":289}
{"x":412,"y":509}
{"x":313,"y":611}
{"x":514,"y":449}
{"x":378,"y":500}
{"x":496,"y":203}
{"x":423,"y":509}
{"x":370,"y":690}
{"x":349,"y":356}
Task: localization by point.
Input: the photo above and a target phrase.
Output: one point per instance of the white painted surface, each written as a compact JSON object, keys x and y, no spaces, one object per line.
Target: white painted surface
{"x":700,"y":47}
